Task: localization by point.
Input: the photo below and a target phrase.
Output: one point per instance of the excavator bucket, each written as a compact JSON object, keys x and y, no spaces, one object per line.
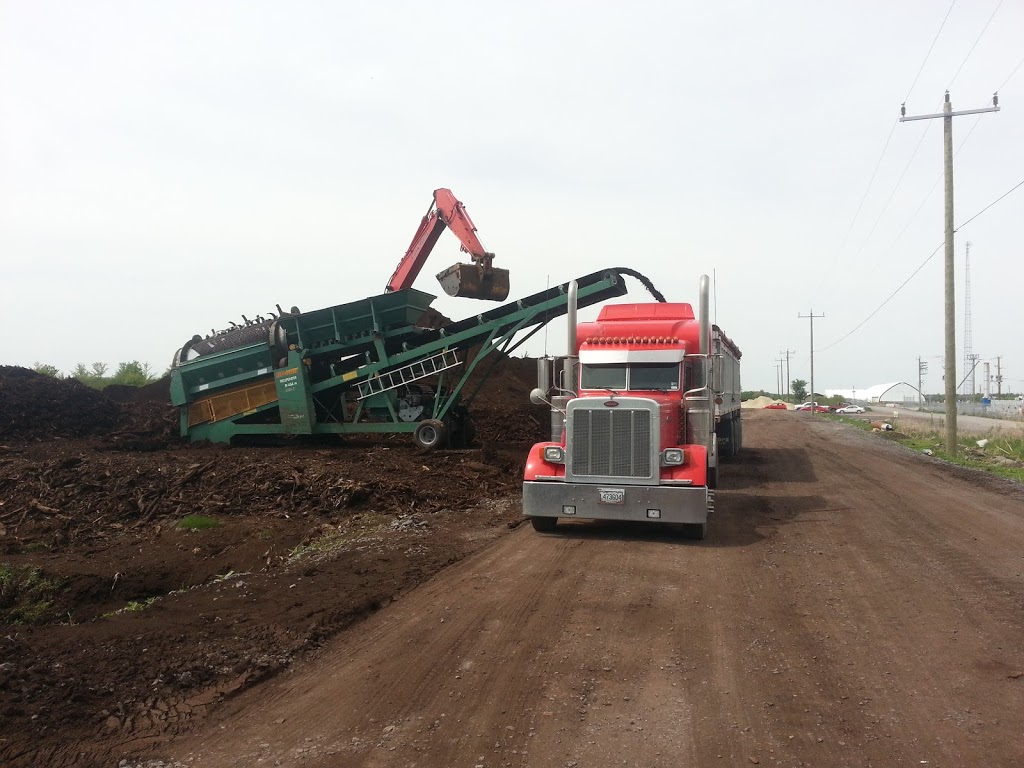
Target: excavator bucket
{"x":472,"y":281}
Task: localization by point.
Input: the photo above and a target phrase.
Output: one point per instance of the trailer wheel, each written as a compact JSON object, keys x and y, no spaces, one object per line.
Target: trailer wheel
{"x":544,"y":524}
{"x":430,"y":434}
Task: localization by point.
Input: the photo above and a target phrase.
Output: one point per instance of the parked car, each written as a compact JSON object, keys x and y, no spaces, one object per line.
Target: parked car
{"x":850,"y":408}
{"x":775,"y":406}
{"x":817,"y":407}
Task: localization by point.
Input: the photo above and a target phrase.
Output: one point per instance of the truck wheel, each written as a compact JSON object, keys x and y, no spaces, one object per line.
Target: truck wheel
{"x":712,"y":476}
{"x":544,"y":524}
{"x":430,"y":434}
{"x":695,"y":531}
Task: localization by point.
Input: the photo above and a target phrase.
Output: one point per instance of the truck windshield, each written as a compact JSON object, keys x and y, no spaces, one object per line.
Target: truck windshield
{"x":603,"y":377}
{"x":638,"y":376}
{"x":654,"y":376}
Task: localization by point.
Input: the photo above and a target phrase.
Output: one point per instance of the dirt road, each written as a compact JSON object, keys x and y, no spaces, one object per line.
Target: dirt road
{"x":854,"y":604}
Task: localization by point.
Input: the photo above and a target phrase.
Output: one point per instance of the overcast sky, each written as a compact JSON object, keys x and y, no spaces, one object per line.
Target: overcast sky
{"x":168,"y":166}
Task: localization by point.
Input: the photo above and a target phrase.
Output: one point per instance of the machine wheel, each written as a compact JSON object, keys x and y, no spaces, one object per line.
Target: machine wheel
{"x":430,"y":434}
{"x":461,"y":433}
{"x":544,"y":524}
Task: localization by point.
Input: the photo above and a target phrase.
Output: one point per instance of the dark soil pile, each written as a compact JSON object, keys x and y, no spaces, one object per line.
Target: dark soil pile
{"x":502,"y":411}
{"x":36,"y":406}
{"x":120,"y":627}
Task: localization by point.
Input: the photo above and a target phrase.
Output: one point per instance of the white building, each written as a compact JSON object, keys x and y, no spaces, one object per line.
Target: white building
{"x":893,"y":392}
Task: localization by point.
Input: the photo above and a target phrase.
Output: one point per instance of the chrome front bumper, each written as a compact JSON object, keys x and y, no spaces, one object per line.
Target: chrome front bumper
{"x":674,"y":504}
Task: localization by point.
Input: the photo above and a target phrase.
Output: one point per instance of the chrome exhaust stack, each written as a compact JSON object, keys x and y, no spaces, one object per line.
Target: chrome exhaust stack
{"x":704,"y":315}
{"x":571,"y":358}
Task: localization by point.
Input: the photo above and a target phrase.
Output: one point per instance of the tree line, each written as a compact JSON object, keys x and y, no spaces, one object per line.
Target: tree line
{"x":130,"y":374}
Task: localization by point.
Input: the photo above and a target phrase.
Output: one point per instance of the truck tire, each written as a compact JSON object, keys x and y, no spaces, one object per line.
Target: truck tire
{"x":430,"y":434}
{"x":544,"y":524}
{"x":695,"y":531}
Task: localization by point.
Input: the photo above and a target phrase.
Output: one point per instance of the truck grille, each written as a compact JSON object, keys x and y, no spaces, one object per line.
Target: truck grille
{"x":610,"y":442}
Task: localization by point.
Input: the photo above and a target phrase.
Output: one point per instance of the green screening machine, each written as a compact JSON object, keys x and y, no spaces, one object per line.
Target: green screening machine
{"x":383,"y":364}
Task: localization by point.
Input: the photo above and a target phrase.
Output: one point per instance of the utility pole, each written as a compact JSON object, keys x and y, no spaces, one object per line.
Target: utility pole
{"x":811,"y":318}
{"x":922,"y":369}
{"x":778,"y":375}
{"x":787,"y":353}
{"x":947,"y":116}
{"x":999,"y":375}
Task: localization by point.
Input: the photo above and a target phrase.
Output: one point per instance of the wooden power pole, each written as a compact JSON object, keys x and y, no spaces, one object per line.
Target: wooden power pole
{"x":947,"y":116}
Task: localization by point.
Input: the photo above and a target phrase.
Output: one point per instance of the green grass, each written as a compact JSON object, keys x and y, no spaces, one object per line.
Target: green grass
{"x":368,"y":522}
{"x":853,"y":421}
{"x":26,"y":596}
{"x":996,"y":457}
{"x":197,"y":523}
{"x":133,"y":606}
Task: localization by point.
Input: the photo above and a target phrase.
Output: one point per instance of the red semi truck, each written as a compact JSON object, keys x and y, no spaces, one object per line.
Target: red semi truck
{"x":642,"y":409}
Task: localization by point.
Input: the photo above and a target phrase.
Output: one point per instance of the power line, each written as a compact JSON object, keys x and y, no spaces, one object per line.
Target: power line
{"x":934,"y":40}
{"x":930,"y":191}
{"x":977,"y":40}
{"x":891,"y":297}
{"x":868,"y":189}
{"x":1008,"y":79}
{"x":900,"y":181}
{"x":888,"y":140}
{"x":895,"y":189}
{"x":1005,"y":194}
{"x":922,"y":266}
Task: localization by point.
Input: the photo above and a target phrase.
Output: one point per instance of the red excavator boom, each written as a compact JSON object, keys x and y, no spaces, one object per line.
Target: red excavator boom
{"x":479,"y":280}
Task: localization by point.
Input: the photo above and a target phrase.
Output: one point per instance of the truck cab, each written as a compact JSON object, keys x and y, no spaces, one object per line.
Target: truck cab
{"x":634,"y":432}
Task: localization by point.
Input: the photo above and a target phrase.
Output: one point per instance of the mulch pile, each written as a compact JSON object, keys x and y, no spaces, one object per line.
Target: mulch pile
{"x":77,"y":465}
{"x":94,"y":489}
{"x":38,"y":407}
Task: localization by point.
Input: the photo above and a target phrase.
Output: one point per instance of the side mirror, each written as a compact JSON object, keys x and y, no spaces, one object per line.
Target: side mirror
{"x":538,"y":396}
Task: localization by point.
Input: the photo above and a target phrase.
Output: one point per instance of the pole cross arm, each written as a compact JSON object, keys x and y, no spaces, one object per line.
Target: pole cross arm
{"x":908,"y":118}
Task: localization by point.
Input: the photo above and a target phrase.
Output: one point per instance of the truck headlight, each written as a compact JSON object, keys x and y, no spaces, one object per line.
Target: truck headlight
{"x":672,"y":457}
{"x":554,"y":454}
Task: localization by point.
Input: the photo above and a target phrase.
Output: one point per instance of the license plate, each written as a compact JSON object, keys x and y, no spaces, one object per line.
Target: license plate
{"x":611,"y":495}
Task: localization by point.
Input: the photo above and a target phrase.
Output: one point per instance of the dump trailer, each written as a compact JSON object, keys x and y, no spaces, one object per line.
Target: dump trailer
{"x":383,"y":364}
{"x":643,"y":408}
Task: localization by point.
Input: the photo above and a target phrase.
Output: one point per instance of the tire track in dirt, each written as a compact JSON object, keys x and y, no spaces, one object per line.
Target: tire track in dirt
{"x":454,"y":657}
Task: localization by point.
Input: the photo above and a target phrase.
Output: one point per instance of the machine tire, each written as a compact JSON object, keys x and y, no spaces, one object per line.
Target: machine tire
{"x":461,"y":433}
{"x":430,"y":434}
{"x":544,"y":524}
